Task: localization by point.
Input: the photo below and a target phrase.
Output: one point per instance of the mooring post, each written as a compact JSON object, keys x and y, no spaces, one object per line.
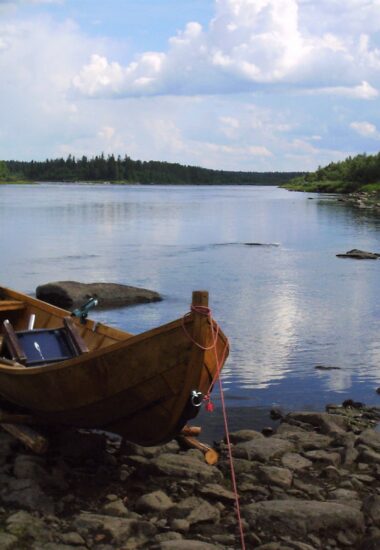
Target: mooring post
{"x":199,"y":308}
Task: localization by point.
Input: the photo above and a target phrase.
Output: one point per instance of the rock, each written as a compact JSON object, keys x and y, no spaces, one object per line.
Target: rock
{"x":25,"y":525}
{"x":195,"y":510}
{"x":7,"y":541}
{"x":29,"y":467}
{"x":72,"y":538}
{"x":327,"y":423}
{"x":371,"y":507}
{"x":116,"y":508}
{"x":346,"y":496}
{"x":181,"y":525}
{"x":72,"y":294}
{"x":244,"y":435}
{"x":184,"y":466}
{"x":27,"y":494}
{"x":273,"y":475}
{"x":215,"y":491}
{"x":326,"y":367}
{"x":359,"y":255}
{"x":303,"y":439}
{"x":295,"y":462}
{"x":370,"y":438}
{"x":262,"y":449}
{"x":302,"y":517}
{"x":158,"y":501}
{"x":324,"y":457}
{"x":187,"y":545}
{"x":119,"y":529}
{"x":369,"y":456}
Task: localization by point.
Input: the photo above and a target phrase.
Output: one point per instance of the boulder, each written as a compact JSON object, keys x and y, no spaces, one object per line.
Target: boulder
{"x":72,"y":294}
{"x":359,"y":255}
{"x":302,"y":517}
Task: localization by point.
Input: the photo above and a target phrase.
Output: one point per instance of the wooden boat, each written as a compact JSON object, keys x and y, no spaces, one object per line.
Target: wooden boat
{"x":143,"y":387}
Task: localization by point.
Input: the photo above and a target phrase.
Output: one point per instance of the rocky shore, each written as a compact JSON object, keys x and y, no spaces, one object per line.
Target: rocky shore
{"x":311,"y":483}
{"x":363,"y":200}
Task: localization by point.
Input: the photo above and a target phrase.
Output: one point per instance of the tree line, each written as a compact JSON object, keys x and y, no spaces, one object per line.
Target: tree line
{"x":361,"y":172}
{"x":125,"y":170}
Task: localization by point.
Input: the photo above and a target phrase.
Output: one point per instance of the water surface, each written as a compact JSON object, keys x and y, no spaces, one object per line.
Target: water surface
{"x":285,"y":308}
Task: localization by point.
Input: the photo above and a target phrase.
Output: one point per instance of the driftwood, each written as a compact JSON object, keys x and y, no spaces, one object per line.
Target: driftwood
{"x":211,"y":456}
{"x":33,"y":440}
{"x":192,"y":431}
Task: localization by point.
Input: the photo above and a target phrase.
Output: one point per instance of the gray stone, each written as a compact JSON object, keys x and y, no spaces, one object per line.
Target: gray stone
{"x":273,"y":475}
{"x":7,"y":541}
{"x":195,"y":510}
{"x":158,"y":501}
{"x":303,"y":439}
{"x":357,"y":254}
{"x":370,"y":456}
{"x":184,"y":466}
{"x":181,"y":525}
{"x":169,"y":535}
{"x":295,"y":462}
{"x":29,"y":467}
{"x":119,"y":529}
{"x":27,"y":494}
{"x":370,"y":438}
{"x":244,"y":435}
{"x":72,"y":538}
{"x":324,"y":457}
{"x":371,"y":508}
{"x":115,"y":508}
{"x":263,"y":449}
{"x":188,"y":545}
{"x":213,"y":490}
{"x":325,"y":422}
{"x":302,"y":517}
{"x":71,"y":294}
{"x":346,"y":496}
{"x":24,"y":525}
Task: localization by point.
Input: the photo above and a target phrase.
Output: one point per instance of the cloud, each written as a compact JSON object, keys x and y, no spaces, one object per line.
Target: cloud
{"x":365,"y":129}
{"x":361,"y":91}
{"x":248,"y":46}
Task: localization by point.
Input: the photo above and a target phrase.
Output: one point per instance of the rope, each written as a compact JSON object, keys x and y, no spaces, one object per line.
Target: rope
{"x":203,"y":310}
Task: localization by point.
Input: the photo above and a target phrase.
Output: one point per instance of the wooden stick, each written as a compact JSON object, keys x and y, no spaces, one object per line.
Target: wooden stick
{"x":192,"y":431}
{"x":211,"y":456}
{"x":33,"y":440}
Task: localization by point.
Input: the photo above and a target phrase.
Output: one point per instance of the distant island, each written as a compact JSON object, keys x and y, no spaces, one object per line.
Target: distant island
{"x":125,"y":170}
{"x":359,"y":174}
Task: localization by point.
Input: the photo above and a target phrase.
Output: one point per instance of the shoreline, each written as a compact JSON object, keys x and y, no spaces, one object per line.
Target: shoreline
{"x":311,"y":483}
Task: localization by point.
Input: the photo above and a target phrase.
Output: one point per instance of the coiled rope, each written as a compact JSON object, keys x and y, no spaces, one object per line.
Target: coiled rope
{"x":206,"y":311}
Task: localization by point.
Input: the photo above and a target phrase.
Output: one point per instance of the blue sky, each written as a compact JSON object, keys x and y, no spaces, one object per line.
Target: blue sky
{"x":231,"y":84}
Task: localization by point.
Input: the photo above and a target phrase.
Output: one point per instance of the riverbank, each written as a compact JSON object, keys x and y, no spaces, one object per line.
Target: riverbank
{"x":311,"y":484}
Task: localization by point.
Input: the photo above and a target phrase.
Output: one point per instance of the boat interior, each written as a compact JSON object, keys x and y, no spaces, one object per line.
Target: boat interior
{"x":34,"y":333}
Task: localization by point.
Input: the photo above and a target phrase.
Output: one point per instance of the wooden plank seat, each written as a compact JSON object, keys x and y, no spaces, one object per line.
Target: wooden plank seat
{"x":43,"y":346}
{"x":11,"y":305}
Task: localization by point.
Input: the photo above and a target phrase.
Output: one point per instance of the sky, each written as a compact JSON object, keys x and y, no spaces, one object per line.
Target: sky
{"x":257,"y":85}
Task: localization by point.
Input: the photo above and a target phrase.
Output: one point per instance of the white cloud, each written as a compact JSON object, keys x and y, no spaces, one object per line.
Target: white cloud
{"x":248,"y":45}
{"x":361,"y":91}
{"x":365,"y":129}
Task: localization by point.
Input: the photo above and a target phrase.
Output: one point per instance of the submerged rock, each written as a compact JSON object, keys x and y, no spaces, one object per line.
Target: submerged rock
{"x":359,"y":255}
{"x":71,"y":294}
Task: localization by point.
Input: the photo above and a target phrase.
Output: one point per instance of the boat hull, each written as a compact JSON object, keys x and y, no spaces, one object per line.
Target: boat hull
{"x":139,"y":387}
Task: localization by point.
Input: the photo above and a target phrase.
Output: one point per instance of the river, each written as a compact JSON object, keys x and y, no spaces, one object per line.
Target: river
{"x":286,"y":308}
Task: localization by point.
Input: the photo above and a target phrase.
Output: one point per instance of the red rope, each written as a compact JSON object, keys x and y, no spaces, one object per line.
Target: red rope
{"x":203,"y":310}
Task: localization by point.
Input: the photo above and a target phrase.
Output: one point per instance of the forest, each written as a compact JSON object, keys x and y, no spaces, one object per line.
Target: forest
{"x":358,"y":173}
{"x":125,"y":170}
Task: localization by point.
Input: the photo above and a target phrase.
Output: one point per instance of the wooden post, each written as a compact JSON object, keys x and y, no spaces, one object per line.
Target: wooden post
{"x":200,"y":327}
{"x":211,"y":456}
{"x":35,"y":441}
